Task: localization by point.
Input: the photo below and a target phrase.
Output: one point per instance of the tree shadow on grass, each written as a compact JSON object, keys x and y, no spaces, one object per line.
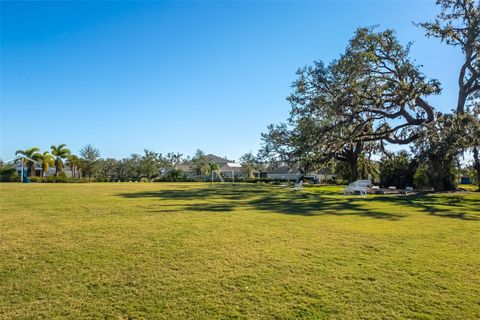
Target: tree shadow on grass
{"x":315,"y":204}
{"x":282,"y":200}
{"x":446,"y":206}
{"x":268,"y":199}
{"x":229,"y":193}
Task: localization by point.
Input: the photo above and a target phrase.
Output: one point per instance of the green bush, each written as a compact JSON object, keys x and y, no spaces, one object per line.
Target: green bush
{"x":61,"y":178}
{"x":35,"y":179}
{"x":173,"y":176}
{"x":8,"y":174}
{"x":397,"y":170}
{"x":237,"y":179}
{"x":420,"y":179}
{"x":9,"y":178}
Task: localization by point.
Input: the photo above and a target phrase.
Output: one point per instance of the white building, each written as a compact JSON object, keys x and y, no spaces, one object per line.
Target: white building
{"x":38,"y":170}
{"x":230,"y":169}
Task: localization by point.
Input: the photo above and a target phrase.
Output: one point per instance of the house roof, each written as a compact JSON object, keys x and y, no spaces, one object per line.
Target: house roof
{"x":234,"y":165}
{"x":231,"y":166}
{"x":183,"y":167}
{"x":213,"y":158}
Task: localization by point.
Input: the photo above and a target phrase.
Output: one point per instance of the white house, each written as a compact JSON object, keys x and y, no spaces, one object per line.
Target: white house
{"x":230,"y":169}
{"x":38,"y":170}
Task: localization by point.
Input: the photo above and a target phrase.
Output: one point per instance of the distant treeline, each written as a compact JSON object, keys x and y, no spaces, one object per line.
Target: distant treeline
{"x":61,"y":165}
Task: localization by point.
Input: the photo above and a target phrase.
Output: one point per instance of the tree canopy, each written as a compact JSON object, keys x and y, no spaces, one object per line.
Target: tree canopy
{"x":374,"y":94}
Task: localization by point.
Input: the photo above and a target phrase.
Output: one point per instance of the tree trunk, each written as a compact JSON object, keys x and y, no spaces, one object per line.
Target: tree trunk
{"x":476,"y":164}
{"x":353,"y":168}
{"x":462,"y":98}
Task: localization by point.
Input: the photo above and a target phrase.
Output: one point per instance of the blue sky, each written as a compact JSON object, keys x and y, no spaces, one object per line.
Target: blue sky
{"x":177,"y":76}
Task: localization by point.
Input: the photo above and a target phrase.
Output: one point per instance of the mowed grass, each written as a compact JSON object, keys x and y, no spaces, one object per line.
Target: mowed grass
{"x":197,"y":251}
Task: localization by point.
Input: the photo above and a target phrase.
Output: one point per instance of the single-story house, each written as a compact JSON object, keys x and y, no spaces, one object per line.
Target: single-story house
{"x":292,"y":173}
{"x":38,"y":170}
{"x":232,"y":168}
{"x":227,"y":167}
{"x":282,"y":172}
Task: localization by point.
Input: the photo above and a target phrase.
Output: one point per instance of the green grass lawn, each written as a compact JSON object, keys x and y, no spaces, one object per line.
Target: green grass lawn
{"x":197,"y":251}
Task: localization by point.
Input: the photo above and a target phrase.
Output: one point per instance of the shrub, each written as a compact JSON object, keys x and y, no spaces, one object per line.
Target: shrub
{"x":441,"y":175}
{"x":35,"y":179}
{"x":61,"y":178}
{"x":173,"y":176}
{"x":237,"y":179}
{"x":420,"y":179}
{"x":397,"y":170}
{"x":266,"y":180}
{"x":176,"y":175}
{"x":8,"y":174}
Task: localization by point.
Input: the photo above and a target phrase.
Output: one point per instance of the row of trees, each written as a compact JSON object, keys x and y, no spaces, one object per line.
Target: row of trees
{"x":374,"y":95}
{"x":149,"y":165}
{"x":400,"y":169}
{"x":88,"y":163}
{"x":152,"y":165}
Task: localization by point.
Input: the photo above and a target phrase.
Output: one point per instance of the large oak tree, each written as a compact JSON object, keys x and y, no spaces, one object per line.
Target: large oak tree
{"x":372,"y":94}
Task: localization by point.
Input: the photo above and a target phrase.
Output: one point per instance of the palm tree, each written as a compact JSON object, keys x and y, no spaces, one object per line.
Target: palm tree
{"x":31,"y":153}
{"x":60,"y":153}
{"x":73,"y":162}
{"x":47,"y":161}
{"x":248,"y":163}
{"x":214,"y":168}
